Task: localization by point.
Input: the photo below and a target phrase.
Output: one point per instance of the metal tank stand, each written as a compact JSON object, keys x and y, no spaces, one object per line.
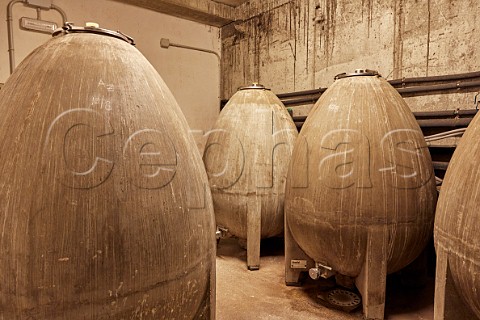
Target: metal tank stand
{"x":371,"y":283}
{"x":448,"y":303}
{"x":254,"y":227}
{"x":296,"y":260}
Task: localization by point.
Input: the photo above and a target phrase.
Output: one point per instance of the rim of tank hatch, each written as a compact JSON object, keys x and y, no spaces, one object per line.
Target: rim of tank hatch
{"x":254,"y":85}
{"x":358,"y":73}
{"x":70,"y":28}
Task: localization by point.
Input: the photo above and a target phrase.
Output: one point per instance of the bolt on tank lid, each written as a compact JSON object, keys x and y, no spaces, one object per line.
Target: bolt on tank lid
{"x":254,"y":85}
{"x":358,"y":72}
{"x":92,"y":27}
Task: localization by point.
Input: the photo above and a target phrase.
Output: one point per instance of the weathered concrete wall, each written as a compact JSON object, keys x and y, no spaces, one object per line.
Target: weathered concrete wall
{"x":302,"y":44}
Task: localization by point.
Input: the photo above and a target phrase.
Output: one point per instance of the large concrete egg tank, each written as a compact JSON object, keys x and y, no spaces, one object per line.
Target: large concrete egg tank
{"x":246,"y":157}
{"x":104,"y":207}
{"x":360,"y":195}
{"x":457,"y":232}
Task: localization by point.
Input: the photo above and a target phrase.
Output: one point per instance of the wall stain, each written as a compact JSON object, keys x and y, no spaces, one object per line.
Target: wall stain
{"x":370,"y":17}
{"x":428,"y":37}
{"x":330,"y":11}
{"x":398,"y":31}
{"x":306,"y":29}
{"x":273,"y":45}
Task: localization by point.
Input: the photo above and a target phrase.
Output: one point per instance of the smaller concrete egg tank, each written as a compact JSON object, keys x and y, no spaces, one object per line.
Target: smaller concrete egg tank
{"x":360,"y":193}
{"x":246,"y":157}
{"x":457,"y":232}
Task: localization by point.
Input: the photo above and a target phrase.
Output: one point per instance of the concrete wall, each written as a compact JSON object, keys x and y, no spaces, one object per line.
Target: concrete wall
{"x":192,"y":76}
{"x":302,"y":44}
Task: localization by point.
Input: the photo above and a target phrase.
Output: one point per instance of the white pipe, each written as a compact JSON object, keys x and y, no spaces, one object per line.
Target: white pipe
{"x":62,"y":13}
{"x":11,"y":47}
{"x":165,"y":43}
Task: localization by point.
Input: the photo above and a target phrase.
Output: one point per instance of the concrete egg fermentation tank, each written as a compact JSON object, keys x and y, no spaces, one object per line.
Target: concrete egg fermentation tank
{"x":360,"y":194}
{"x":104,"y":207}
{"x":246,"y":157}
{"x":457,"y":233}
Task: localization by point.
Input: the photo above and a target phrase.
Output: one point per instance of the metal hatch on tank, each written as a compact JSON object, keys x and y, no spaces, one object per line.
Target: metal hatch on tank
{"x":106,"y":210}
{"x":246,"y":157}
{"x":360,"y":194}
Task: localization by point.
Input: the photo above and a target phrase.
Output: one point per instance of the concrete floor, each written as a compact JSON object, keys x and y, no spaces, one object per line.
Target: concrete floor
{"x":262,"y":294}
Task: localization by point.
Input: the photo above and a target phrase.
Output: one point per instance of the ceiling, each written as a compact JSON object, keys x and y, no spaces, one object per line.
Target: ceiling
{"x":216,"y":13}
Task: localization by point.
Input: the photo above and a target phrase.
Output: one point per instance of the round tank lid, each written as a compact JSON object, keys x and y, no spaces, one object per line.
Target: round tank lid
{"x":254,"y":86}
{"x":357,"y":73}
{"x":92,"y":27}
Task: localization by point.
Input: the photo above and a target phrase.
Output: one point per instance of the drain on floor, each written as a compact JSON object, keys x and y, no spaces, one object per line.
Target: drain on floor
{"x":340,"y":299}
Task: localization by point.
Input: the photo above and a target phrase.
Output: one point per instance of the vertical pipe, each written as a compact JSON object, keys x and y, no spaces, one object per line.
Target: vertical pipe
{"x":11,"y":46}
{"x":11,"y":50}
{"x":62,"y":13}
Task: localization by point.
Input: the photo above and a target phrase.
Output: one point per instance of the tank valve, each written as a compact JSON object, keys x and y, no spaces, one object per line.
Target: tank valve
{"x":320,"y":271}
{"x":221,"y":233}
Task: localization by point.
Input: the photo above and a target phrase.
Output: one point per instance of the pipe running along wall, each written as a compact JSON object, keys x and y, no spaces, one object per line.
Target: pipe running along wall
{"x":11,"y":46}
{"x":165,"y":44}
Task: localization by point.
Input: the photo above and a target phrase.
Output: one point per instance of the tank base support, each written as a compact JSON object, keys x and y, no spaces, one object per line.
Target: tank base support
{"x":296,"y":260}
{"x":448,"y":303}
{"x":254,"y":221}
{"x":372,"y":279}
